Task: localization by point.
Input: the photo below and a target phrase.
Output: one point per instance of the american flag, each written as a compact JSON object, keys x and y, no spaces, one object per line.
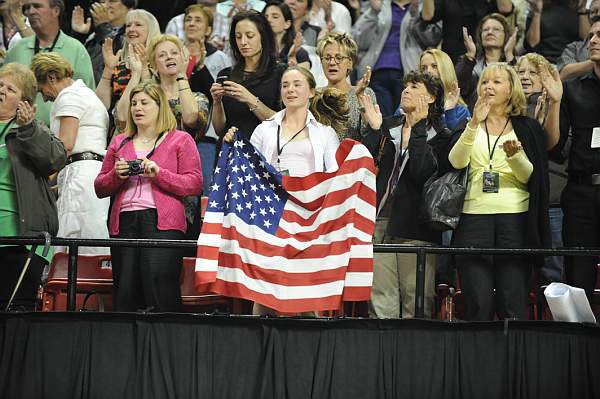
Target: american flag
{"x":294,"y":244}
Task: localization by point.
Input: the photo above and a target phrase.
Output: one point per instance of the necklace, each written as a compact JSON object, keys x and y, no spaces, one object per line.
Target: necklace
{"x":144,"y":140}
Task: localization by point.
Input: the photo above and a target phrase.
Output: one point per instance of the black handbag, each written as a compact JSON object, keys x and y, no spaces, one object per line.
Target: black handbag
{"x":443,"y":198}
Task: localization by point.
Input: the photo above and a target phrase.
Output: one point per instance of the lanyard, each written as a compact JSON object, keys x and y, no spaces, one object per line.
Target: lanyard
{"x":37,"y":44}
{"x":280,"y":149}
{"x":491,"y":150}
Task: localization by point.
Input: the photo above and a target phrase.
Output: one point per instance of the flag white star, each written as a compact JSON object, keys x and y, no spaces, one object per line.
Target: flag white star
{"x":235,"y":169}
{"x":246,"y":155}
{"x":244,"y":193}
{"x":230,"y":185}
{"x":248,"y":205}
{"x":235,"y":195}
{"x":217,"y":170}
{"x":213,"y":204}
{"x":243,"y":168}
{"x":262,"y":187}
{"x":248,"y":177}
{"x":252,"y":215}
{"x":238,"y":207}
{"x":215,"y":187}
{"x":253,"y":187}
{"x":272,"y":186}
{"x":258,"y":199}
{"x":240,"y":180}
{"x":268,"y":199}
{"x":267,"y":223}
{"x":241,"y":144}
{"x":261,"y":163}
{"x":272,"y":210}
{"x":263,"y":212}
{"x":266,"y":175}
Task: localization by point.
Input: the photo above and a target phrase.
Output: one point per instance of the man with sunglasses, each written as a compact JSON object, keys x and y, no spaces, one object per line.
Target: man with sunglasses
{"x":44,"y":18}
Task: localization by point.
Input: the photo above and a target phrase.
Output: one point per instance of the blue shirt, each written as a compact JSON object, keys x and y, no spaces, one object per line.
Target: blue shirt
{"x":390,"y":53}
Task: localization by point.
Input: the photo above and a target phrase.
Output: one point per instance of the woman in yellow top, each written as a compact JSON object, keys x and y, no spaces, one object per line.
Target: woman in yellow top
{"x":506,"y":205}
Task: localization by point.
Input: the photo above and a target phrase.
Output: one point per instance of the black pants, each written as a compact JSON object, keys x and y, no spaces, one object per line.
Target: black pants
{"x":480,"y":275}
{"x":146,"y":277}
{"x":581,"y":228}
{"x":12,"y":260}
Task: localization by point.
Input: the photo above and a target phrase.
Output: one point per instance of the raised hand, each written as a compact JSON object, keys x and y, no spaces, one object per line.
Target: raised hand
{"x":110,"y":59}
{"x":298,"y":40}
{"x":99,"y":12}
{"x":451,"y":97}
{"x":509,"y":47}
{"x":185,"y":60}
{"x":419,"y":113}
{"x":78,"y":22}
{"x":135,"y":63}
{"x":536,"y":5}
{"x":363,"y":83}
{"x":551,"y":83}
{"x":469,"y":44}
{"x":480,"y":111}
{"x":370,"y":112}
{"x":541,"y":107}
{"x":25,"y":113}
{"x":511,"y":147}
{"x":376,"y":5}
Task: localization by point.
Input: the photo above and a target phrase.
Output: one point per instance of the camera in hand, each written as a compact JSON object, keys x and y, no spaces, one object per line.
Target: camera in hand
{"x":135,"y":167}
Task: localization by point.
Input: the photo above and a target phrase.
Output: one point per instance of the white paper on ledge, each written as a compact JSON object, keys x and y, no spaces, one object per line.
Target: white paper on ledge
{"x":568,"y":303}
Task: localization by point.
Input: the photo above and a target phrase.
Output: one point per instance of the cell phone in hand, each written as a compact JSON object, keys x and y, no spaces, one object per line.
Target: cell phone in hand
{"x":221,"y":79}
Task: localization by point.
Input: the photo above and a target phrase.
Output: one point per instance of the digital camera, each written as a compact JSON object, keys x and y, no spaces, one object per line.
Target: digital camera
{"x":135,"y":167}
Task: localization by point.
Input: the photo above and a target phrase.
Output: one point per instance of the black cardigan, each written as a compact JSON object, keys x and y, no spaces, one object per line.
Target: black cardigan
{"x":533,"y":139}
{"x":424,"y":156}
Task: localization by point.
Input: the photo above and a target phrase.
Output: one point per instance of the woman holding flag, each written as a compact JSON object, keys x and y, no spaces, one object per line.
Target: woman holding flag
{"x":293,"y":141}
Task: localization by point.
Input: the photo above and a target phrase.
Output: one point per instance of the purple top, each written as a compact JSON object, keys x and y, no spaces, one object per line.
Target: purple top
{"x":390,"y":53}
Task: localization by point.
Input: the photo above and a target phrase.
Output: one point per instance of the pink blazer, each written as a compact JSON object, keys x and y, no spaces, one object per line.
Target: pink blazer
{"x":180,"y":175}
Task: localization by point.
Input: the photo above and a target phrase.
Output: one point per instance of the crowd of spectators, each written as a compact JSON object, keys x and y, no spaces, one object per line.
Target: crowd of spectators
{"x":115,"y":126}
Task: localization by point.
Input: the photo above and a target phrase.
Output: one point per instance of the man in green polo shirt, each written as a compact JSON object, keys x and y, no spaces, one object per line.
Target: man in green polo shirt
{"x":44,"y":18}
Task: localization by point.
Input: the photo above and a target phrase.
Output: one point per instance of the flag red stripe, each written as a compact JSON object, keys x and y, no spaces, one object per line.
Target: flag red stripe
{"x":260,"y":247}
{"x":351,"y":216}
{"x":292,"y":184}
{"x":338,"y":197}
{"x":288,"y":278}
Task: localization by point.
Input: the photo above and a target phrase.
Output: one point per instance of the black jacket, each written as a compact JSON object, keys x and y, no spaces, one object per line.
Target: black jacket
{"x":424,"y":157}
{"x":35,"y":154}
{"x":533,"y":139}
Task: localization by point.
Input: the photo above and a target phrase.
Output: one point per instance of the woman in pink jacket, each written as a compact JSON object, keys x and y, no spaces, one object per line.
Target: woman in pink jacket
{"x":147,"y":170}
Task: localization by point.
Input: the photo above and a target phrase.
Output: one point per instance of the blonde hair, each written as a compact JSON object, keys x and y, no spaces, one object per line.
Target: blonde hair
{"x":44,"y":64}
{"x":23,"y":78}
{"x":165,"y":120}
{"x":446,"y":70}
{"x":151,"y":24}
{"x":517,"y":103}
{"x":345,"y":41}
{"x":151,"y":49}
{"x":535,"y":59}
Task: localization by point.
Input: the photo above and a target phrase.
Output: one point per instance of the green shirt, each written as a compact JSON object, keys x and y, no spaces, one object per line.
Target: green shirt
{"x":74,"y":52}
{"x":9,"y":208}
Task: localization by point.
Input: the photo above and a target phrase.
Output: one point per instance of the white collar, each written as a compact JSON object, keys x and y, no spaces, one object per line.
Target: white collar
{"x":278,"y":117}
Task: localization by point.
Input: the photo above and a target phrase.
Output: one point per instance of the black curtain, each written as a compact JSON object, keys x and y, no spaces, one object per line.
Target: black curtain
{"x":91,"y":355}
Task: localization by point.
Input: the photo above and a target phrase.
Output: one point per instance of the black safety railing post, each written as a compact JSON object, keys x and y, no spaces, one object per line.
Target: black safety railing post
{"x":420,"y":284}
{"x":72,"y":278}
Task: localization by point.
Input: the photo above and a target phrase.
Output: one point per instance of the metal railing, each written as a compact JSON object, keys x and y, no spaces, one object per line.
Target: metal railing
{"x":421,"y":251}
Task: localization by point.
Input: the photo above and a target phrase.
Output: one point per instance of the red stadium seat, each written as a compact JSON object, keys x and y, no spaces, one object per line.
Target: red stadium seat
{"x":94,"y":275}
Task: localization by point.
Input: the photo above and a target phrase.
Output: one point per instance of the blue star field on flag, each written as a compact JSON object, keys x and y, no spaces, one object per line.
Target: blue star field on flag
{"x":248,"y":186}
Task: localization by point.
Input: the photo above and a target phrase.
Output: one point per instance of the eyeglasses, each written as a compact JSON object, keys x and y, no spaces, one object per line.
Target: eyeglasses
{"x":336,"y":60}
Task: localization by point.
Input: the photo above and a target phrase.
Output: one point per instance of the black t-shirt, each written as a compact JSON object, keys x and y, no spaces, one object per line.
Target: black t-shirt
{"x":458,"y":13}
{"x":559,"y":26}
{"x":267,"y":89}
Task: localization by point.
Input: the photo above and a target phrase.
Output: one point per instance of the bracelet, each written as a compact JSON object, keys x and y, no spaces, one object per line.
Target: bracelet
{"x":185,"y":88}
{"x":180,"y":78}
{"x":251,"y":108}
{"x":582,"y":13}
{"x":105,"y":78}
